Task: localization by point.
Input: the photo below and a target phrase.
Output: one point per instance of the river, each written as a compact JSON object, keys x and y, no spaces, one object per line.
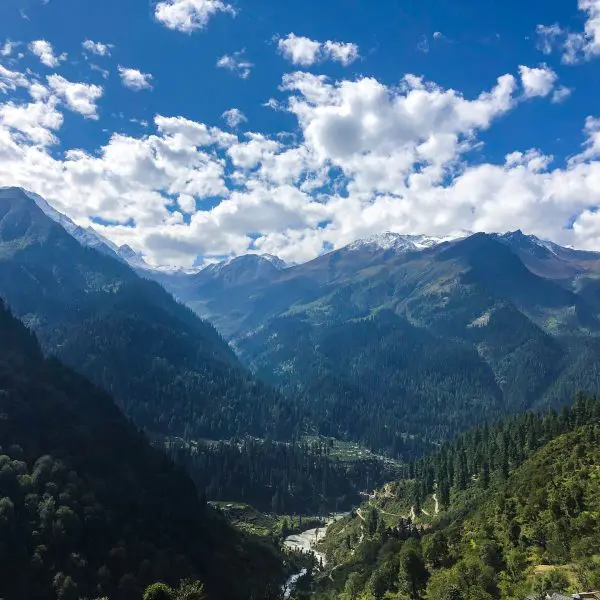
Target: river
{"x":307,"y":542}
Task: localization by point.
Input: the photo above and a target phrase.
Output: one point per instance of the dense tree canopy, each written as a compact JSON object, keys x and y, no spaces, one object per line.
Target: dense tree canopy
{"x":521,"y":516}
{"x":89,"y":508}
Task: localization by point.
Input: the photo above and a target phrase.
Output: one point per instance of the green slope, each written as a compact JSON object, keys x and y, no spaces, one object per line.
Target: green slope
{"x":88,"y":507}
{"x":170,"y":371}
{"x":521,"y":516}
{"x":401,"y":351}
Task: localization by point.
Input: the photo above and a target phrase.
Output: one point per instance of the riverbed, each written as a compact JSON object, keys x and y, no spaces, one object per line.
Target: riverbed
{"x":307,"y":542}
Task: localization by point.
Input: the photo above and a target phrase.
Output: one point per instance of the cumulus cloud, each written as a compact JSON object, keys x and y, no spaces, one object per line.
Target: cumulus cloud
{"x":28,"y":126}
{"x":97,"y":48}
{"x":591,"y":146}
{"x":134,"y":79}
{"x":299,"y":50}
{"x":537,"y":81}
{"x":236,"y":63}
{"x":45,"y":52}
{"x":367,"y":157}
{"x":586,"y":44}
{"x":345,"y":53}
{"x":189,"y":15}
{"x":306,"y":52}
{"x":79,"y":97}
{"x":234,"y":117}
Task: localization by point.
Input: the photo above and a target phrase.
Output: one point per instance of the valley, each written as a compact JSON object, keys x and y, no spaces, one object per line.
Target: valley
{"x":408,"y":386}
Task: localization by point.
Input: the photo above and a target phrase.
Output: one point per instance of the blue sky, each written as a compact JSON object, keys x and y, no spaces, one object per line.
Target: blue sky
{"x":383,"y":115}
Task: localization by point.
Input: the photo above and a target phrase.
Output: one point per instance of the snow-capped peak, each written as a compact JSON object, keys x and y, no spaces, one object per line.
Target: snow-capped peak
{"x":88,"y":237}
{"x":403,"y":242}
{"x":133,"y":258}
{"x":520,"y":239}
{"x":277,"y":262}
{"x":246,"y":260}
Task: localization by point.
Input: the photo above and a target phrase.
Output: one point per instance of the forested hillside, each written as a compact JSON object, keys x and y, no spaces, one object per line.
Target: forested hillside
{"x":88,"y":508}
{"x":502,"y":513}
{"x":282,"y":478}
{"x":400,"y":347}
{"x":170,"y":371}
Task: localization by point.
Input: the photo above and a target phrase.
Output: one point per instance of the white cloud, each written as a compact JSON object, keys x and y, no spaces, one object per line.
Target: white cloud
{"x":299,"y":50}
{"x":537,"y":81}
{"x":134,"y":79}
{"x":586,"y":44}
{"x":104,"y":72}
{"x":7,"y":48}
{"x":45,"y":52}
{"x":79,"y":97}
{"x":33,"y":123}
{"x":236,"y":63}
{"x":306,"y":52}
{"x":591,"y":146}
{"x":561,"y":94}
{"x":367,"y":157}
{"x":423,"y":45}
{"x":576,"y":46}
{"x":378,"y":134}
{"x":189,"y":15}
{"x":192,"y":132}
{"x":345,"y":53}
{"x":97,"y":48}
{"x":548,"y":36}
{"x":187,"y":203}
{"x":11,"y":80}
{"x":234,"y":117}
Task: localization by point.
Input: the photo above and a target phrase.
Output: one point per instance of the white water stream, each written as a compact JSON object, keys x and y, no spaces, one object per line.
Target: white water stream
{"x":307,"y":542}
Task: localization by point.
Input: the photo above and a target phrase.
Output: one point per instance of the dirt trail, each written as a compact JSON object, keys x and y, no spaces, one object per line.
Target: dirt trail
{"x":437,"y":504}
{"x":383,"y":512}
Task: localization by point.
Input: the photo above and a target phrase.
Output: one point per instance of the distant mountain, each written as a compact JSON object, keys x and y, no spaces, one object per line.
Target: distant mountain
{"x":550,"y":260}
{"x":398,"y":336}
{"x":86,"y":237}
{"x":170,"y":371}
{"x":242,"y":269}
{"x":88,"y":508}
{"x":395,"y":341}
{"x":132,"y":258}
{"x":403,"y":243}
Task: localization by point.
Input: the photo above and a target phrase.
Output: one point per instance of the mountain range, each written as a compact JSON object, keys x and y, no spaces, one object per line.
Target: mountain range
{"x":169,"y":370}
{"x":401,"y":336}
{"x":397,"y":342}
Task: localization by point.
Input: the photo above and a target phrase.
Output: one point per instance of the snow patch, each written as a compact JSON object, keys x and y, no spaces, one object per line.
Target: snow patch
{"x":481,"y":321}
{"x":404,"y":242}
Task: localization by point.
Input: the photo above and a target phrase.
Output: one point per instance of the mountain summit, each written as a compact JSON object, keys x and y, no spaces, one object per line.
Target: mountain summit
{"x":169,"y":370}
{"x":403,"y":243}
